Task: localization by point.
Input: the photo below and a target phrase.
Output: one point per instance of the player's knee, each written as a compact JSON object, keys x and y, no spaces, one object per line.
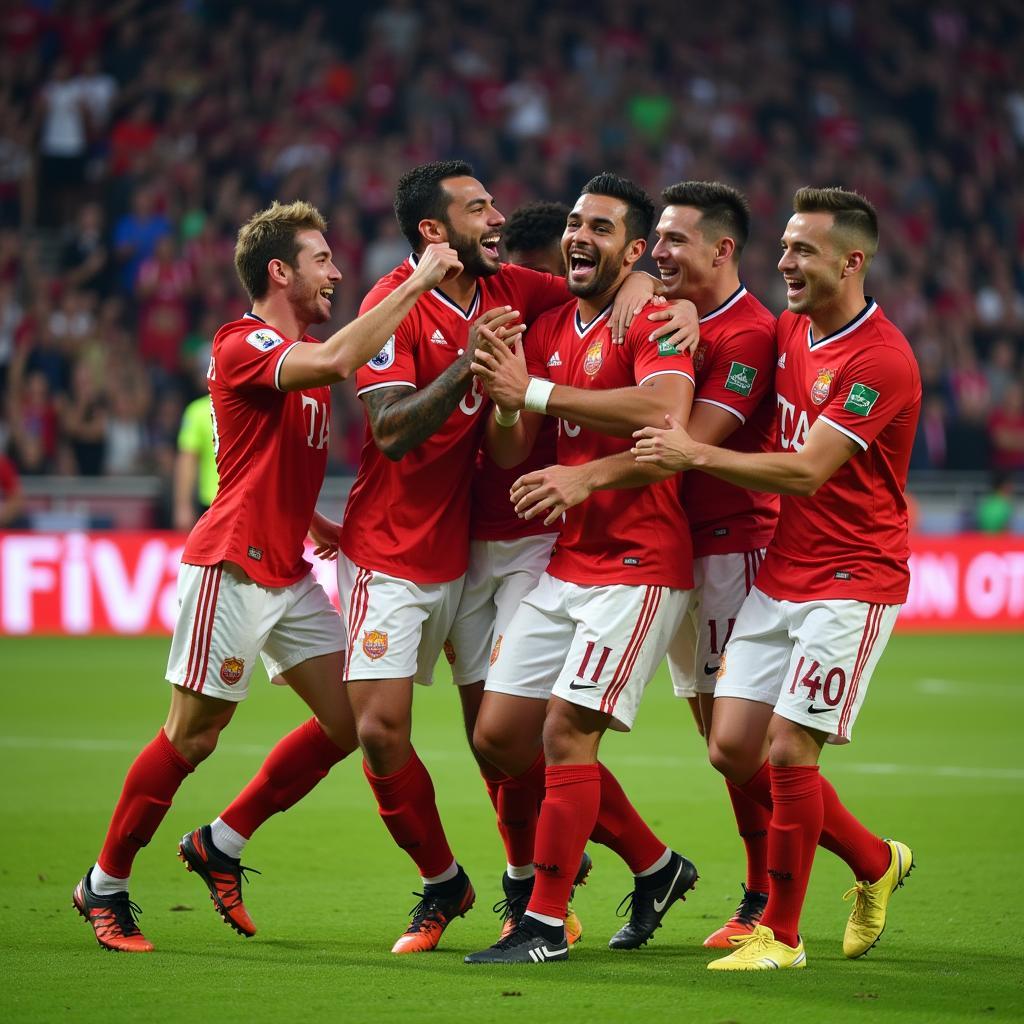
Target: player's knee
{"x":381,"y":738}
{"x":725,"y":756}
{"x":195,"y":744}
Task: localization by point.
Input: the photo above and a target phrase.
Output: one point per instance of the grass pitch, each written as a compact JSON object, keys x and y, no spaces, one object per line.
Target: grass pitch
{"x":936,"y":762}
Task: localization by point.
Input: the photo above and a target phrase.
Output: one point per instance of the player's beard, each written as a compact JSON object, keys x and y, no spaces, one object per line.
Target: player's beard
{"x":605,"y":275}
{"x":471,"y":256}
{"x":305,"y":300}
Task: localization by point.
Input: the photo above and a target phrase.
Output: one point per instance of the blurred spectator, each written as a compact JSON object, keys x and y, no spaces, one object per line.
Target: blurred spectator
{"x":12,"y":501}
{"x":125,"y":435}
{"x":163,"y":288}
{"x":84,"y":422}
{"x":136,"y":235}
{"x":63,"y":141}
{"x":994,"y":511}
{"x":85,"y":259}
{"x":33,"y":424}
{"x":1006,"y":428}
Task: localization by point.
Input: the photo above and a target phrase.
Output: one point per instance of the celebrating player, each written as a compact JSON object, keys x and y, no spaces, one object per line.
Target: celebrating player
{"x":701,"y":235}
{"x":810,"y":634}
{"x":244,"y":589}
{"x":594,"y":629}
{"x":533,"y":237}
{"x":405,"y":538}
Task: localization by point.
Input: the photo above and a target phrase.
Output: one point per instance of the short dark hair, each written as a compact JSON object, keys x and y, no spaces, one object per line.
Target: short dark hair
{"x":640,"y":206}
{"x":420,"y":195}
{"x":271,"y":235}
{"x":723,"y":208}
{"x":535,"y":226}
{"x":852,"y":213}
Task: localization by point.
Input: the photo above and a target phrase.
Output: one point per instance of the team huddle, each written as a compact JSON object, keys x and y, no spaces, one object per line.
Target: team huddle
{"x":572,"y":470}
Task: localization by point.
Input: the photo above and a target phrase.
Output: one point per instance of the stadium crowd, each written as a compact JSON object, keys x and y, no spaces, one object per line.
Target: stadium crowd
{"x":135,"y":137}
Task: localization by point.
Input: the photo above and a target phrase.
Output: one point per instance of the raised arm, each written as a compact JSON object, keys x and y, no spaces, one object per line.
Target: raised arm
{"x":306,"y":365}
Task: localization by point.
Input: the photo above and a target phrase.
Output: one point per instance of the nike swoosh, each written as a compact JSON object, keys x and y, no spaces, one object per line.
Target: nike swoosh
{"x":708,"y":670}
{"x":581,"y":686}
{"x":660,"y":905}
{"x":812,"y":710}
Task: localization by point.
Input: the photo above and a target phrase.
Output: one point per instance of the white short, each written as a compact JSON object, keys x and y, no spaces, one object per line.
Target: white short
{"x":225,"y":619}
{"x":395,"y":627}
{"x":812,"y":660}
{"x":593,"y":646}
{"x":720,"y":585}
{"x":501,"y":573}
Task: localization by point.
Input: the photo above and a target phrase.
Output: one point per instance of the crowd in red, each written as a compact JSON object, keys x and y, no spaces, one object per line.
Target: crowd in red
{"x":136,"y":137}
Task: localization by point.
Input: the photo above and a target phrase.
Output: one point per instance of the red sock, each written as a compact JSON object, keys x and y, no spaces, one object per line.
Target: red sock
{"x":567,"y":816}
{"x":752,"y":820}
{"x":842,"y":834}
{"x":517,"y":803}
{"x":621,"y":829}
{"x":146,"y":796}
{"x":792,"y":838}
{"x":295,"y":765}
{"x":408,"y":809}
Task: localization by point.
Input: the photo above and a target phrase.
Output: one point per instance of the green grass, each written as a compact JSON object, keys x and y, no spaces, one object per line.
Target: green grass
{"x":936,"y":762}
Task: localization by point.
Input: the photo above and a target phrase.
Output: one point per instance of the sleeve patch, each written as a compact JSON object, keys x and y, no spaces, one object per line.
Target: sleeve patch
{"x":264,"y":339}
{"x":666,"y":347}
{"x":861,"y":399}
{"x":741,"y":378}
{"x":385,"y":357}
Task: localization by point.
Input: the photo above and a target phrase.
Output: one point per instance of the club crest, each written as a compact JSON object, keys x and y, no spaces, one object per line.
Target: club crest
{"x":375,"y":643}
{"x":496,"y":650}
{"x":594,"y":358}
{"x":231,"y":670}
{"x":821,"y":386}
{"x":449,"y":652}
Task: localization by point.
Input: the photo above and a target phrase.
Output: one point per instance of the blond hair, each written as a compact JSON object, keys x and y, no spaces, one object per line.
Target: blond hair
{"x":271,"y":235}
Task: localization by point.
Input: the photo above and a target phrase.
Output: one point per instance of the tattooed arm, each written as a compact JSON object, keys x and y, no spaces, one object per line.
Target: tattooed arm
{"x":401,"y":418}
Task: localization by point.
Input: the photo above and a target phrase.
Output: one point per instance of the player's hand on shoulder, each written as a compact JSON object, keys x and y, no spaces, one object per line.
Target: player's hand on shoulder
{"x":678,"y":324}
{"x":669,"y":447}
{"x":636,"y":291}
{"x":437,"y":263}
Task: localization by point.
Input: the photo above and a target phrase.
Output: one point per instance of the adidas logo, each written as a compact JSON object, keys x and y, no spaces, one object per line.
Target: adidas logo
{"x":438,"y":338}
{"x":555,"y":360}
{"x":782,"y":361}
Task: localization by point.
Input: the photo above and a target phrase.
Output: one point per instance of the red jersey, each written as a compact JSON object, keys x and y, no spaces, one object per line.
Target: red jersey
{"x":849,"y":540}
{"x":636,"y":536}
{"x":411,"y":518}
{"x":271,"y":449}
{"x":494,"y":516}
{"x":735,"y":367}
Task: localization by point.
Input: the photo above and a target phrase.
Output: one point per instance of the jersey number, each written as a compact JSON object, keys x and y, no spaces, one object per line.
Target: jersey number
{"x":598,"y":668}
{"x":832,"y":687}
{"x":317,"y":411}
{"x":473,"y":398}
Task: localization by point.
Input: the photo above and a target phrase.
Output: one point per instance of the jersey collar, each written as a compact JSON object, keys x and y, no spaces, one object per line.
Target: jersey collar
{"x":728,"y":304}
{"x":466,"y":314}
{"x":250,"y":315}
{"x":582,"y":329}
{"x":867,"y":312}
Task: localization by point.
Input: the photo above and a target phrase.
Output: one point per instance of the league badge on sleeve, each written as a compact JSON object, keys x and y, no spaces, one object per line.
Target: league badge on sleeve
{"x":861,"y":399}
{"x":385,"y":357}
{"x":264,"y":339}
{"x":741,"y":378}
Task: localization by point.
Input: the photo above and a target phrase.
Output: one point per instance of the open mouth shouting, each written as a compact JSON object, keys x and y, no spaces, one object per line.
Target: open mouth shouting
{"x":489,"y":245}
{"x":582,"y":266}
